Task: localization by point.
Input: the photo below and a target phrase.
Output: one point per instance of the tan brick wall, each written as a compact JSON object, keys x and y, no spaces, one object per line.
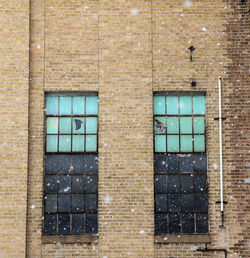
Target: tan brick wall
{"x":14,"y":64}
{"x":125,"y":50}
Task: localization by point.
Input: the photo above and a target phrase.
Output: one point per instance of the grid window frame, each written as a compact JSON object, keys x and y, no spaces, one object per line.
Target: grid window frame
{"x":185,"y":206}
{"x":86,"y":169}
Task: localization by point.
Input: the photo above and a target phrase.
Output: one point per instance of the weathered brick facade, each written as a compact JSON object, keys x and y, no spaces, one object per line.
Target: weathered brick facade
{"x":125,"y":50}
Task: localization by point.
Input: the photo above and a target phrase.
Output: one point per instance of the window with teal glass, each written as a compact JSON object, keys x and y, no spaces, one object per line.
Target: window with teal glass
{"x":71,"y":164}
{"x":180,"y":163}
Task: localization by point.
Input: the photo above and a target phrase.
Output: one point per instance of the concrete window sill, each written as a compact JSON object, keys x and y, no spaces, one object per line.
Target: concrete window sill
{"x":70,"y":239}
{"x":164,"y":239}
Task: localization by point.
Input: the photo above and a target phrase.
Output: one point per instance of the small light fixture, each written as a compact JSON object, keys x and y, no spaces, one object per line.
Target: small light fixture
{"x":193,"y":83}
{"x":192,"y":48}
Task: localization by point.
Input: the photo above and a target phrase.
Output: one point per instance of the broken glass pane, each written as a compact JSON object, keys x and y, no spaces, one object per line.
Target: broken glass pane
{"x":160,"y":125}
{"x":78,"y":125}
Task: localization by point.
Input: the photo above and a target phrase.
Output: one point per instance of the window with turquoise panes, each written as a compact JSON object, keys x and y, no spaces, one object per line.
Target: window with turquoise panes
{"x":180,"y":163}
{"x":71,"y":164}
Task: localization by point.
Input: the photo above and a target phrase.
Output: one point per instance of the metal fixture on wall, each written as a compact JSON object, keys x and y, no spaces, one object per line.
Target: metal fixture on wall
{"x":193,"y":83}
{"x":192,"y":48}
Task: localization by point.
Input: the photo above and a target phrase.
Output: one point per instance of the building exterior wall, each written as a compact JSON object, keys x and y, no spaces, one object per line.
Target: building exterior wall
{"x":125,"y":50}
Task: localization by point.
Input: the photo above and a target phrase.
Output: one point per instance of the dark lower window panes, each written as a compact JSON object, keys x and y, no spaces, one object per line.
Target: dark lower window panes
{"x":173,"y":184}
{"x":91,"y":203}
{"x":173,"y":163}
{"x":161,"y":203}
{"x":187,"y":201}
{"x":77,"y":202}
{"x":161,"y":223}
{"x":202,"y":223}
{"x":91,"y":163}
{"x":64,"y":202}
{"x":63,"y":224}
{"x":200,"y":163}
{"x":64,"y":163}
{"x":187,"y":184}
{"x":174,"y":203}
{"x":174,"y":223}
{"x":187,"y":163}
{"x":50,"y":224}
{"x":51,"y":164}
{"x":78,"y":163}
{"x":160,"y":163}
{"x":51,"y":184}
{"x":51,"y":203}
{"x":64,"y":184}
{"x":91,"y":223}
{"x":160,"y":184}
{"x":77,"y":223}
{"x":200,"y":183}
{"x":77,"y":184}
{"x":200,"y":202}
{"x":91,"y":184}
{"x":187,"y":223}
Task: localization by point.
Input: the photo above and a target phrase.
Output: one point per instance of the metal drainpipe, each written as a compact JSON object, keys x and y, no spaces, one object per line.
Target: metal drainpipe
{"x":213,"y":250}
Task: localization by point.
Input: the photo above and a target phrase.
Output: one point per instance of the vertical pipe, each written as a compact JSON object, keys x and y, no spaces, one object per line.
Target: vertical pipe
{"x":221,"y":166}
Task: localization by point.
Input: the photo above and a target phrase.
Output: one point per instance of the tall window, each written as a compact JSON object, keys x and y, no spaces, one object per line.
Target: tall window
{"x":180,"y":163}
{"x":71,"y":164}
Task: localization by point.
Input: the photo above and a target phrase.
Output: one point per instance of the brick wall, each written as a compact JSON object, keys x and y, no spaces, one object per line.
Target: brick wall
{"x":125,"y":50}
{"x":14,"y":48}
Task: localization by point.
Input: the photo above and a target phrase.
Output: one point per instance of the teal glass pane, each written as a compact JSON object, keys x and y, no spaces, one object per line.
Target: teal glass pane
{"x":91,"y":143}
{"x":160,"y":125}
{"x":160,"y":143}
{"x":186,"y":143}
{"x":91,"y":125}
{"x":78,"y":143}
{"x":173,"y":125}
{"x":78,"y":125}
{"x":78,"y":105}
{"x":92,"y":105}
{"x":199,"y":105}
{"x":52,"y":125}
{"x":65,"y":125}
{"x":51,"y":143}
{"x":199,"y":124}
{"x":65,"y":105}
{"x":185,"y":105}
{"x":199,"y":143}
{"x":173,"y":143}
{"x":172,"y":105}
{"x":159,"y":105}
{"x":64,"y":143}
{"x":186,"y":125}
{"x":51,"y":105}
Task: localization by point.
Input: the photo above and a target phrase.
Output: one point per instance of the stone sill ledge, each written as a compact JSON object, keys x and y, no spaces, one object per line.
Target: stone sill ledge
{"x":70,"y":239}
{"x":164,"y":239}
